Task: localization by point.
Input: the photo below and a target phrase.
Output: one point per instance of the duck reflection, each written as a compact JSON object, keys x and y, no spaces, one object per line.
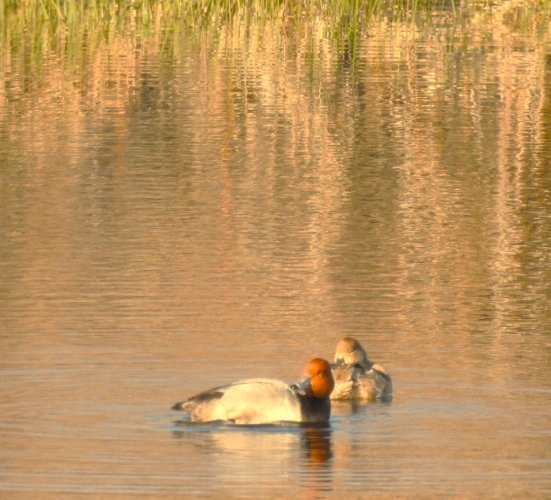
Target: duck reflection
{"x":314,"y":440}
{"x":316,"y":446}
{"x":303,"y":453}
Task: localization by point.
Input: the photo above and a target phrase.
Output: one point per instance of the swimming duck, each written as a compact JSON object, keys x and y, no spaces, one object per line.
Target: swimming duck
{"x":264,"y":401}
{"x":357,"y":378}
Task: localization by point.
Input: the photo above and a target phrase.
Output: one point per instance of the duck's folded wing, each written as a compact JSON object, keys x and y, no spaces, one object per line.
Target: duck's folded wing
{"x":204,"y":397}
{"x":381,"y":371}
{"x":246,"y":401}
{"x":257,"y":401}
{"x":375,"y":384}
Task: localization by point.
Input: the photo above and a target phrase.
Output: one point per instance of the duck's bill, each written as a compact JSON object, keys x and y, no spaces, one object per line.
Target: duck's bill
{"x":303,"y":386}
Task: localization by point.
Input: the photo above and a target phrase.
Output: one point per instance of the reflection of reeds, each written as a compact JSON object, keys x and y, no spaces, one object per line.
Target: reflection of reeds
{"x":283,"y":75}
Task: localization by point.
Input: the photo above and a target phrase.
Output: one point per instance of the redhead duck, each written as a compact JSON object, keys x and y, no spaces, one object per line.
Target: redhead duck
{"x":264,"y":401}
{"x":357,"y":378}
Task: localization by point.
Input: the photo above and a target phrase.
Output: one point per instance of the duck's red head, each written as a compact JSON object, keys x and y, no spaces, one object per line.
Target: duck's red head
{"x":318,"y":373}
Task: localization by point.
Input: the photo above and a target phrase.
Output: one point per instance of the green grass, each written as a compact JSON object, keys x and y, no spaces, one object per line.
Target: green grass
{"x":65,"y":26}
{"x":348,"y":14}
{"x":201,"y":13}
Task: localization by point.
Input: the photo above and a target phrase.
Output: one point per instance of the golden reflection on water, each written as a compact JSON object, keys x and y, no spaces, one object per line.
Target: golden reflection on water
{"x":181,"y":212}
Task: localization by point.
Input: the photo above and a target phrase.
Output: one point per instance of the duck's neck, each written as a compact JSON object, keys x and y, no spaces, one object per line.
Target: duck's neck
{"x":314,"y":409}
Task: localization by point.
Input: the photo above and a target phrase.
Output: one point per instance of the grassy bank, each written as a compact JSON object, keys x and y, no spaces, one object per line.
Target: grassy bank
{"x":201,"y":13}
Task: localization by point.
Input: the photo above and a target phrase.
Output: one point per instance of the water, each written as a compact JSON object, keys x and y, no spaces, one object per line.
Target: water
{"x":178,"y":213}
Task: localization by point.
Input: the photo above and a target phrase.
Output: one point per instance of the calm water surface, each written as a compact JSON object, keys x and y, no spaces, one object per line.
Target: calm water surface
{"x":178,"y":213}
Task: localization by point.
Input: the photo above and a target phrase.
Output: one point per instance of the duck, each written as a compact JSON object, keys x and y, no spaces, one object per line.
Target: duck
{"x":356,"y":377}
{"x":265,"y":400}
